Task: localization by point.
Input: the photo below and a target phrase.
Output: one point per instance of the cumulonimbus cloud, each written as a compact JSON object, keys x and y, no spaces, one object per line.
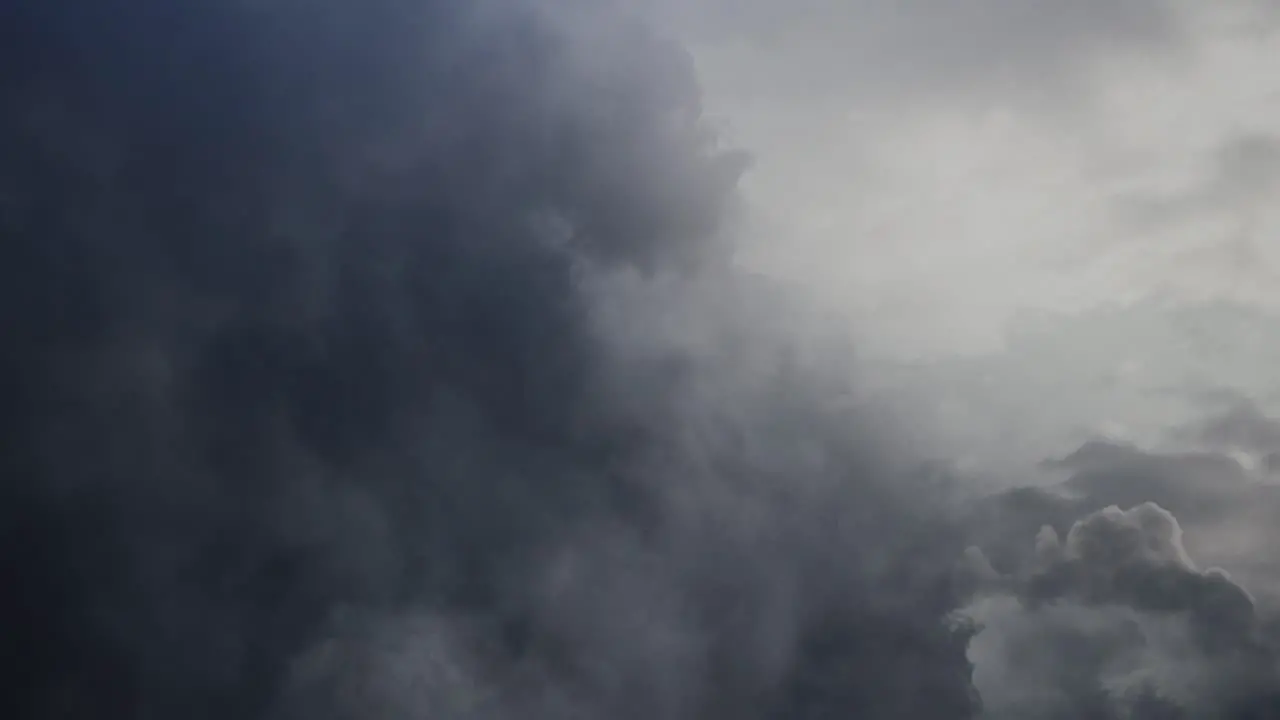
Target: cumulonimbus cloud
{"x":315,"y":402}
{"x":389,"y":360}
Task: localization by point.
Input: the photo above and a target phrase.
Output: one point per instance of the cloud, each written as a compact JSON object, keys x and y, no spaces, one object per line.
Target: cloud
{"x":938,"y":169}
{"x":1239,"y":173}
{"x":1128,"y":475}
{"x":822,"y":52}
{"x":386,"y":359}
{"x":1092,"y":598}
{"x":1242,"y":425}
{"x":393,"y":360}
{"x":1119,"y":622}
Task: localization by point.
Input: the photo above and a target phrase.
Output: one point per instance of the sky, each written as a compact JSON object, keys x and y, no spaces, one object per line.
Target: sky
{"x":935,"y":167}
{"x":937,"y":176}
{"x":1051,"y":222}
{"x":390,"y":360}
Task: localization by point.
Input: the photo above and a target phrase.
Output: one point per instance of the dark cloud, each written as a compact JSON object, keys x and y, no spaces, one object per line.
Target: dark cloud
{"x":388,"y":360}
{"x":348,"y":373}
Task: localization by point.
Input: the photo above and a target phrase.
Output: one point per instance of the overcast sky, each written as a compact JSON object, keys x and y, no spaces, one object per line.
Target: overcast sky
{"x":930,"y":167}
{"x":931,"y":171}
{"x":344,"y":379}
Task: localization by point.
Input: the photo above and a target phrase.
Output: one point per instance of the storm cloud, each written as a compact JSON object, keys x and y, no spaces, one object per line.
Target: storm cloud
{"x":396,"y":360}
{"x":388,"y":360}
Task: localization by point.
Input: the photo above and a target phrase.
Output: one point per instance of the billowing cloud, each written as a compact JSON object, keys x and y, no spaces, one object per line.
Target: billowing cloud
{"x":386,"y":360}
{"x":1114,"y":606}
{"x":1117,"y":621}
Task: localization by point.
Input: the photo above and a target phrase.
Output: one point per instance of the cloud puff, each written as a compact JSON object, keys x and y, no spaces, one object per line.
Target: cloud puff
{"x":1136,"y":558}
{"x":1116,"y":620}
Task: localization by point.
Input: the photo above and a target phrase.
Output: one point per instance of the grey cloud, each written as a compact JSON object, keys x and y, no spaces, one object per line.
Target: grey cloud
{"x":387,"y":669}
{"x":1146,"y":534}
{"x":1242,"y":425}
{"x":1238,"y":176}
{"x":388,"y":359}
{"x":1219,"y":502}
{"x":827,"y":51}
{"x":1126,"y":475}
{"x":1150,"y":373}
{"x":318,"y":321}
{"x":1246,"y":166}
{"x":1100,"y":605}
{"x":1136,"y":558}
{"x":1118,"y":622}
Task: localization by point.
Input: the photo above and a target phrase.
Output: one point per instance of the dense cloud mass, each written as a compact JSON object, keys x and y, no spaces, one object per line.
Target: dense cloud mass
{"x":383,"y":360}
{"x":390,"y":360}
